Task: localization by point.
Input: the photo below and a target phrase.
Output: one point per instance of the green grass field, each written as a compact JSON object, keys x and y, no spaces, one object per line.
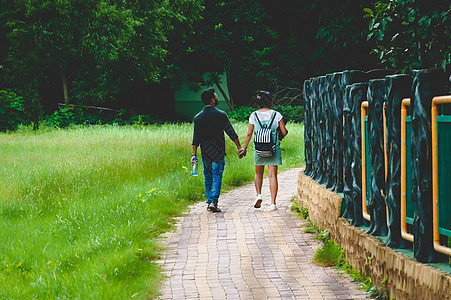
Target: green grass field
{"x":81,"y":209}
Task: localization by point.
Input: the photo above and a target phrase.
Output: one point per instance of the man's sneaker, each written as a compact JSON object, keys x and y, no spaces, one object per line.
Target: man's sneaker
{"x":213,"y":207}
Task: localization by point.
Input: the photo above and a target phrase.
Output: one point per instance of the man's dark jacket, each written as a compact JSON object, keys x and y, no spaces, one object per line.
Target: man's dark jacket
{"x":209,"y":126}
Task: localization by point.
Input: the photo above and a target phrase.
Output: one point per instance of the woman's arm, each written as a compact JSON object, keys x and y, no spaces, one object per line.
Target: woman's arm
{"x":250,"y":132}
{"x":282,"y":127}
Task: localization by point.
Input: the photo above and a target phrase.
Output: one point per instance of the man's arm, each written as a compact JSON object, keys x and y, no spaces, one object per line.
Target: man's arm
{"x":228,"y":128}
{"x":241,"y":151}
{"x":234,"y":137}
{"x":195,"y":143}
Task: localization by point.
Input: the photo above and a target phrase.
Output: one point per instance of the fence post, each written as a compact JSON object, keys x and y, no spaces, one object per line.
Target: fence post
{"x":357,"y":94}
{"x":344,"y":82}
{"x":307,"y":128}
{"x":321,"y":112}
{"x":328,"y":127}
{"x":397,"y":88}
{"x":337,"y":105}
{"x":376,"y":201}
{"x":316,"y":130}
{"x":348,"y":212}
{"x":426,"y":85}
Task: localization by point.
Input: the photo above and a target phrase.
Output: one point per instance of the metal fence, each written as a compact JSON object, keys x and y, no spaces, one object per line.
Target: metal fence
{"x":383,"y":140}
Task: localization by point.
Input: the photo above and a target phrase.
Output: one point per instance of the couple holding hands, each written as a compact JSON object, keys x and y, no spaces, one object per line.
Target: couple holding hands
{"x":209,"y":127}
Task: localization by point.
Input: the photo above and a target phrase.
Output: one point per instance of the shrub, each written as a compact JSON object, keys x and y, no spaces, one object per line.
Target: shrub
{"x":142,"y":120}
{"x":241,"y":114}
{"x":291,"y":113}
{"x":300,"y":209}
{"x":11,"y":110}
{"x":62,"y":117}
{"x":328,"y":255}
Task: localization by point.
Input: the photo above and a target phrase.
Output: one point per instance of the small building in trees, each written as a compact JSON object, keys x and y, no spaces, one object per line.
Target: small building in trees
{"x":188,"y":102}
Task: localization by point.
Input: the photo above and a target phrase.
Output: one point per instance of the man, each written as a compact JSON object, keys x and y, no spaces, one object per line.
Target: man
{"x":209,"y":127}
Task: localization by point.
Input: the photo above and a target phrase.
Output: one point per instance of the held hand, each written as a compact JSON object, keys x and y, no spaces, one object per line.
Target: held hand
{"x":241,"y":153}
{"x":192,"y":160}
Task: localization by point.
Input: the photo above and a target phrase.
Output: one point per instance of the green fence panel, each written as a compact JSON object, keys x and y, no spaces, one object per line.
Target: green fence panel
{"x":444,"y":174}
{"x":409,"y":204}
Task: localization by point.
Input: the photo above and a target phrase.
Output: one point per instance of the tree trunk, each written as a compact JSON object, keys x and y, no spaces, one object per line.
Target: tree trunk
{"x":65,"y":89}
{"x":227,"y":71}
{"x":228,"y":101}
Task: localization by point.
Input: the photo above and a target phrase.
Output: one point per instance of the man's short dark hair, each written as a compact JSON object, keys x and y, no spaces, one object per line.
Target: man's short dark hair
{"x":207,"y":95}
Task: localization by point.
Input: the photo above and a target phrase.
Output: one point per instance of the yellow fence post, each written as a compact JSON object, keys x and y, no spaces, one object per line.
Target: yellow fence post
{"x":385,"y":158}
{"x":365,"y":214}
{"x":405,"y":235}
{"x":437,"y":246}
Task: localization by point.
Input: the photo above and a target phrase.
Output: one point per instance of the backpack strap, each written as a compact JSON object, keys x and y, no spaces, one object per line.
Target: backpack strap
{"x":272,"y":120}
{"x":270,"y":123}
{"x":256,"y":115}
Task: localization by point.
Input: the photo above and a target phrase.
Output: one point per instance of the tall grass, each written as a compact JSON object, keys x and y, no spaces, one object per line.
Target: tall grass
{"x":81,"y":209}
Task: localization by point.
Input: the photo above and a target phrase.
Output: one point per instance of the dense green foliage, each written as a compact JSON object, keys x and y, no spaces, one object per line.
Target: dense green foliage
{"x":272,"y":45}
{"x":290,"y":113}
{"x":92,"y":52}
{"x":131,"y":55}
{"x":241,"y":114}
{"x":87,"y":52}
{"x":64,"y":117}
{"x":11,"y":110}
{"x":82,"y":208}
{"x":411,"y":34}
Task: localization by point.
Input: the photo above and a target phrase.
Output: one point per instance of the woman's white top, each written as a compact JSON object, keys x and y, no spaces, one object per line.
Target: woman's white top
{"x":264,"y":116}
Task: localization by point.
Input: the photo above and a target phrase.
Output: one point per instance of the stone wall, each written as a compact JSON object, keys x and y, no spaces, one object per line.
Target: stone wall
{"x":406,"y":277}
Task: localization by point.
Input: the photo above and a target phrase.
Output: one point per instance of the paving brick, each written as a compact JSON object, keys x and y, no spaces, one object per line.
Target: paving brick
{"x":247,"y":253}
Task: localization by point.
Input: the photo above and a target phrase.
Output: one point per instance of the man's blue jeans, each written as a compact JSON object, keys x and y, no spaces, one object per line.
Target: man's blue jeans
{"x":213,"y":179}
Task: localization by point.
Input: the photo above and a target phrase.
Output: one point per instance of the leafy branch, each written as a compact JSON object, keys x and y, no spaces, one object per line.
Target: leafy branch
{"x":410,"y":34}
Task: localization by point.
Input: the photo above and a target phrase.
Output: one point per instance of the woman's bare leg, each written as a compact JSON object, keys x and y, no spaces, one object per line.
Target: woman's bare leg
{"x":273,"y":183}
{"x":258,"y":180}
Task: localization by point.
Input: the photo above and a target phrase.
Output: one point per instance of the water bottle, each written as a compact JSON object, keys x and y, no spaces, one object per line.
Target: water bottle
{"x":195,"y":167}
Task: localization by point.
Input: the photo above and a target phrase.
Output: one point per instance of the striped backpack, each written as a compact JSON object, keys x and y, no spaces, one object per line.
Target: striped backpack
{"x":264,"y":144}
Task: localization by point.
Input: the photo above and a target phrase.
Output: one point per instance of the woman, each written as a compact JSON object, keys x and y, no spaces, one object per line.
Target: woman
{"x":266,"y":116}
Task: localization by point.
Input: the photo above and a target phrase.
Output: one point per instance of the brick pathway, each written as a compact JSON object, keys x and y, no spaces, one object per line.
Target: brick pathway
{"x":248,"y":253}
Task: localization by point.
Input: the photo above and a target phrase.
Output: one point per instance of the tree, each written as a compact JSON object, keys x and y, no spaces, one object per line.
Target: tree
{"x":262,"y":44}
{"x":47,"y":35}
{"x":232,"y":37}
{"x":94,"y":45}
{"x":411,"y":34}
{"x":339,"y":36}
